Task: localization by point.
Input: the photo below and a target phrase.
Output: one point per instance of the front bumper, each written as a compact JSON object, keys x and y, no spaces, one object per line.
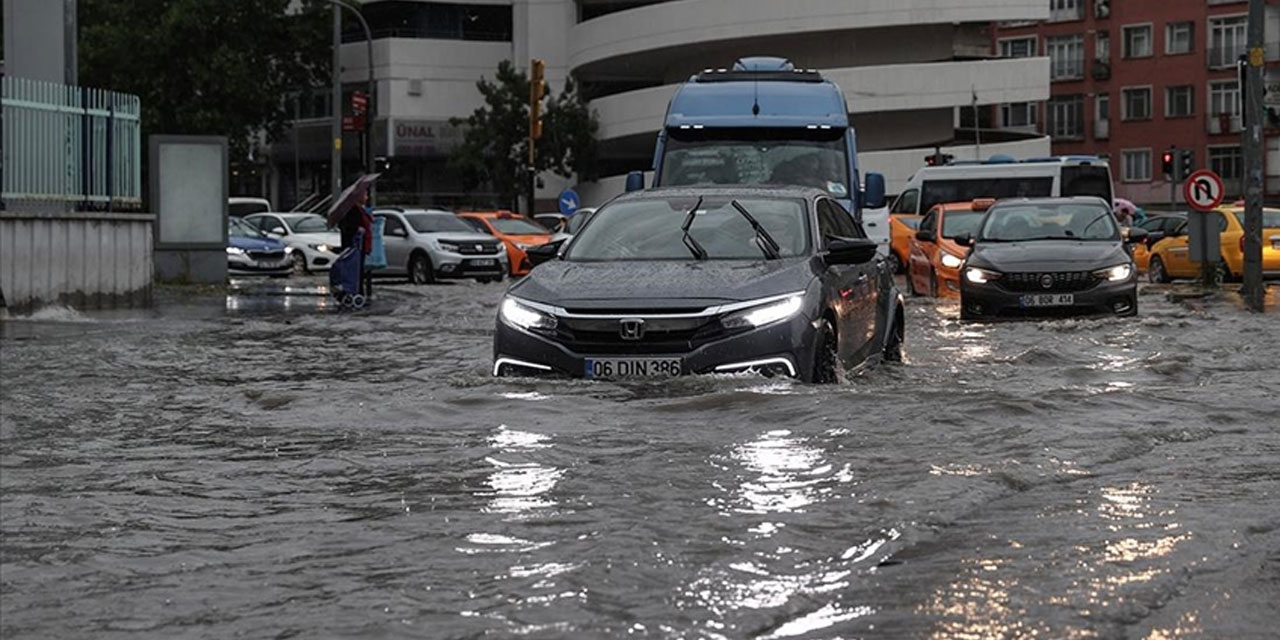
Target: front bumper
{"x":317,"y":259}
{"x":785,"y":347}
{"x":460,"y":265}
{"x":244,"y":265}
{"x":993,"y":301}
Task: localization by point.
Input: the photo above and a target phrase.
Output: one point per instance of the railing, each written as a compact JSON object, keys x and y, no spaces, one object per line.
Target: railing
{"x":68,"y":144}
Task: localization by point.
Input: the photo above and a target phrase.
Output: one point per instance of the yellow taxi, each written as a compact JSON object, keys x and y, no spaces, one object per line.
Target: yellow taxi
{"x":1171,"y":257}
{"x":934,"y":259}
{"x":1157,"y":226}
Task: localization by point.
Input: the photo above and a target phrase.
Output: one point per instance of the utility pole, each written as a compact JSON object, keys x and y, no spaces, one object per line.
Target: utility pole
{"x":335,"y":124}
{"x":1252,"y":148}
{"x":537,"y":89}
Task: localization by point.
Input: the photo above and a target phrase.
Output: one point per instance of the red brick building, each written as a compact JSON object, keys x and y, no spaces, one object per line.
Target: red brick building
{"x":1130,"y":78}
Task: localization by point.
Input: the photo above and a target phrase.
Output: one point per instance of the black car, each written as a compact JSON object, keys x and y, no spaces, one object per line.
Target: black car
{"x":682,"y":281}
{"x":1048,"y":257}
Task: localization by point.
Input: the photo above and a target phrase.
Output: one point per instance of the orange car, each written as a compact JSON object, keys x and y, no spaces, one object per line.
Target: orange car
{"x":902,"y":227}
{"x":933,"y":262}
{"x":515,"y":231}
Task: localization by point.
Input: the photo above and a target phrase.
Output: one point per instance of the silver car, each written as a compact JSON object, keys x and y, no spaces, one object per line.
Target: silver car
{"x":431,"y":244}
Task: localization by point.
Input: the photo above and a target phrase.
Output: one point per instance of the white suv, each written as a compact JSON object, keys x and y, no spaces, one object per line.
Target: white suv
{"x":426,"y":244}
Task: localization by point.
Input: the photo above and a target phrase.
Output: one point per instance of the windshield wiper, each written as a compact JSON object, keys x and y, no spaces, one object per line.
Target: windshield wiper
{"x":767,"y":244}
{"x":694,"y":247}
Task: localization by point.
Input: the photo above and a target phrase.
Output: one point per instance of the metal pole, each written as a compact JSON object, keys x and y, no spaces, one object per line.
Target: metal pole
{"x":1252,"y":149}
{"x":297,"y":166}
{"x":335,"y":125}
{"x":977,"y":133}
{"x":2,"y":183}
{"x":371,"y":109}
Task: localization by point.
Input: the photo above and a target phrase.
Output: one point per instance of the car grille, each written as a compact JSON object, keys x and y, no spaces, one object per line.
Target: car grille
{"x":661,"y":336}
{"x":1063,"y":281}
{"x":267,"y":256}
{"x":477,"y":248}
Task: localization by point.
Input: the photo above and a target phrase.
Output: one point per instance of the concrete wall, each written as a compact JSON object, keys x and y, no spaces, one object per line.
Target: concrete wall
{"x":83,"y":260}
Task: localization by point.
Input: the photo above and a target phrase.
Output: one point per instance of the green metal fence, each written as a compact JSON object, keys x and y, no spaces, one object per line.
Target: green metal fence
{"x":69,"y":144}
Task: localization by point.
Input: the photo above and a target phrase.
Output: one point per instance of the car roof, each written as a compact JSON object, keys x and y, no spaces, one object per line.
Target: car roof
{"x":1063,"y":200}
{"x":728,"y":191}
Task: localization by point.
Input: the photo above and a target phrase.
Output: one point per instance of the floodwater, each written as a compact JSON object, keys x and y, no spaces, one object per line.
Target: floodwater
{"x":212,"y":470}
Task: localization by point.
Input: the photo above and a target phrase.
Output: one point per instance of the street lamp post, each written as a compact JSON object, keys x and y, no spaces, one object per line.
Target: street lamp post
{"x":337,"y":92}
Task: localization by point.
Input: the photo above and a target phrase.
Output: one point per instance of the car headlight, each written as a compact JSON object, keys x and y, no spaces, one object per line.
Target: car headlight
{"x":979,"y":276}
{"x":951,"y":262}
{"x":523,"y":246}
{"x":235,"y":251}
{"x":764,"y":314}
{"x":1115,"y":274}
{"x":321,"y":247}
{"x":525,"y":317}
{"x":448,"y":246}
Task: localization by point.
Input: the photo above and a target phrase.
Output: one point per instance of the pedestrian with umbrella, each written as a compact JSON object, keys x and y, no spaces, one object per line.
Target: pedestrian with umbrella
{"x":351,"y":215}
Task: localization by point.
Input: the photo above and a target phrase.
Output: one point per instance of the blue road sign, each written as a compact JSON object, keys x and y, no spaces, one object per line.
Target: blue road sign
{"x":568,"y":202}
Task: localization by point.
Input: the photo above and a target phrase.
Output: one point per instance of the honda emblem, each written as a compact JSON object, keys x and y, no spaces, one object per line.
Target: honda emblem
{"x":631,"y":328}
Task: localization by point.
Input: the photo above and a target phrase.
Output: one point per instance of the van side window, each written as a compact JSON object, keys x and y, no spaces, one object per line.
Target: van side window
{"x":906,"y":203}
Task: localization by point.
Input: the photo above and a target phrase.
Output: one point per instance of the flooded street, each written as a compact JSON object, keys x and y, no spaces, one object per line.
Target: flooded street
{"x":242,"y":470}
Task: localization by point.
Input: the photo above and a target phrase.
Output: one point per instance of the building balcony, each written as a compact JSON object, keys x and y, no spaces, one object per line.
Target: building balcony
{"x":1101,"y":69}
{"x":1223,"y":123}
{"x":1101,"y":129}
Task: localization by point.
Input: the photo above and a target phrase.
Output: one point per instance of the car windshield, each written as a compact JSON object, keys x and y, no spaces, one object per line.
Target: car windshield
{"x":576,"y":221}
{"x":968,"y":189}
{"x":763,"y":156}
{"x":1050,"y":221}
{"x":958,"y":223}
{"x":306,"y":224}
{"x":437,"y":223}
{"x":650,"y":229}
{"x":240,"y":229}
{"x":1270,"y":218}
{"x":517,"y":227}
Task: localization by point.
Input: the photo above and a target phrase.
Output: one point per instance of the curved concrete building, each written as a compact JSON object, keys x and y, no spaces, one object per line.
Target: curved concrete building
{"x":908,"y":68}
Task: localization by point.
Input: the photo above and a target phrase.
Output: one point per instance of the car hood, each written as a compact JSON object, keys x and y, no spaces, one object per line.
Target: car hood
{"x":531,"y":240}
{"x":255,"y":244}
{"x":661,"y":284}
{"x":323,"y":237}
{"x":1048,"y":255}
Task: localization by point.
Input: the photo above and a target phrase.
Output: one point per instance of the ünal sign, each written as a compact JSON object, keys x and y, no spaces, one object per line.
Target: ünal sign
{"x":425,"y":137}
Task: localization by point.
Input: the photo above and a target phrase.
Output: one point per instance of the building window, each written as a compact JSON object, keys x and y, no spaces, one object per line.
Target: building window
{"x":1063,"y":10}
{"x":1018,"y":47}
{"x":1066,"y":57}
{"x":1018,"y":114}
{"x":1136,"y":104}
{"x":1226,"y":40}
{"x":433,"y":20}
{"x":1102,"y":107}
{"x":1102,"y":45}
{"x":1179,"y":37}
{"x":1224,"y":98}
{"x":1065,"y":117}
{"x":1227,"y":162}
{"x":1137,"y":165}
{"x":1137,"y":41}
{"x":1178,"y":101}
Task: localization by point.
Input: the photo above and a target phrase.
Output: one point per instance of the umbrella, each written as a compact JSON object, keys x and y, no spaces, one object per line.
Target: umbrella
{"x":1121,"y":204}
{"x":350,"y":197}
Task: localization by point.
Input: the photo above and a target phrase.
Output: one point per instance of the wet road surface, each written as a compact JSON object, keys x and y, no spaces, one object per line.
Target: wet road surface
{"x":236,"y":470}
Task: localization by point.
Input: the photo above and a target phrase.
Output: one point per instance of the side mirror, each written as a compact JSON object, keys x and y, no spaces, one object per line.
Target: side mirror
{"x":964,"y":239}
{"x":850,"y":251}
{"x":1154,"y":237}
{"x":544,"y":252}
{"x":1136,"y":234}
{"x":873,"y":192}
{"x":924,"y":235}
{"x":635,"y":181}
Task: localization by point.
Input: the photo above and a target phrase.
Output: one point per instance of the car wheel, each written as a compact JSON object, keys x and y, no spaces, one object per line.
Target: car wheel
{"x":1155,"y":271}
{"x":825,"y":354}
{"x":894,"y":340}
{"x":300,"y":264}
{"x":420,"y":269}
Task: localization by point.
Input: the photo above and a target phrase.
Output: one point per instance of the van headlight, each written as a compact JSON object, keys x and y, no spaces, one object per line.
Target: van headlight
{"x":981,"y":276}
{"x":764,"y":314}
{"x":525,"y":317}
{"x":951,"y":262}
{"x":1117,"y":273}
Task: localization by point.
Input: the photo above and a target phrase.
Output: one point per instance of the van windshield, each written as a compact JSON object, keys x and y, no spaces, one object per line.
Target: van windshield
{"x":969,"y":189}
{"x":1086,"y":181}
{"x":803,"y":157}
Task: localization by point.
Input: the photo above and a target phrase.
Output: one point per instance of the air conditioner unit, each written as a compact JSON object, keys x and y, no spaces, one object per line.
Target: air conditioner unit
{"x":415,"y":87}
{"x":1102,"y":8}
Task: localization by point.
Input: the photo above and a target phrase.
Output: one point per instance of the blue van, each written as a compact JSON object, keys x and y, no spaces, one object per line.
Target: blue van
{"x":763,"y":121}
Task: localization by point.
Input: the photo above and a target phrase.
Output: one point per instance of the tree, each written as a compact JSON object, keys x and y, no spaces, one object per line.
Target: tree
{"x":495,"y":147}
{"x":207,"y":68}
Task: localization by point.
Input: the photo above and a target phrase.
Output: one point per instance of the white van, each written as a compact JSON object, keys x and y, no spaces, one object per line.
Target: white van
{"x":1005,"y":177}
{"x":238,"y":207}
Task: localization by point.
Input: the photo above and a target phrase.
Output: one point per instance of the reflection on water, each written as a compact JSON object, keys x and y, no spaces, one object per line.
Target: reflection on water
{"x":519,"y":485}
{"x":789,"y":474}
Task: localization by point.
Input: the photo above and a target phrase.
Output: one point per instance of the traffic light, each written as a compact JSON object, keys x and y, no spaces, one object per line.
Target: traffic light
{"x":1186,"y":163}
{"x":1166,"y":161}
{"x":537,"y":91}
{"x":938,"y":159}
